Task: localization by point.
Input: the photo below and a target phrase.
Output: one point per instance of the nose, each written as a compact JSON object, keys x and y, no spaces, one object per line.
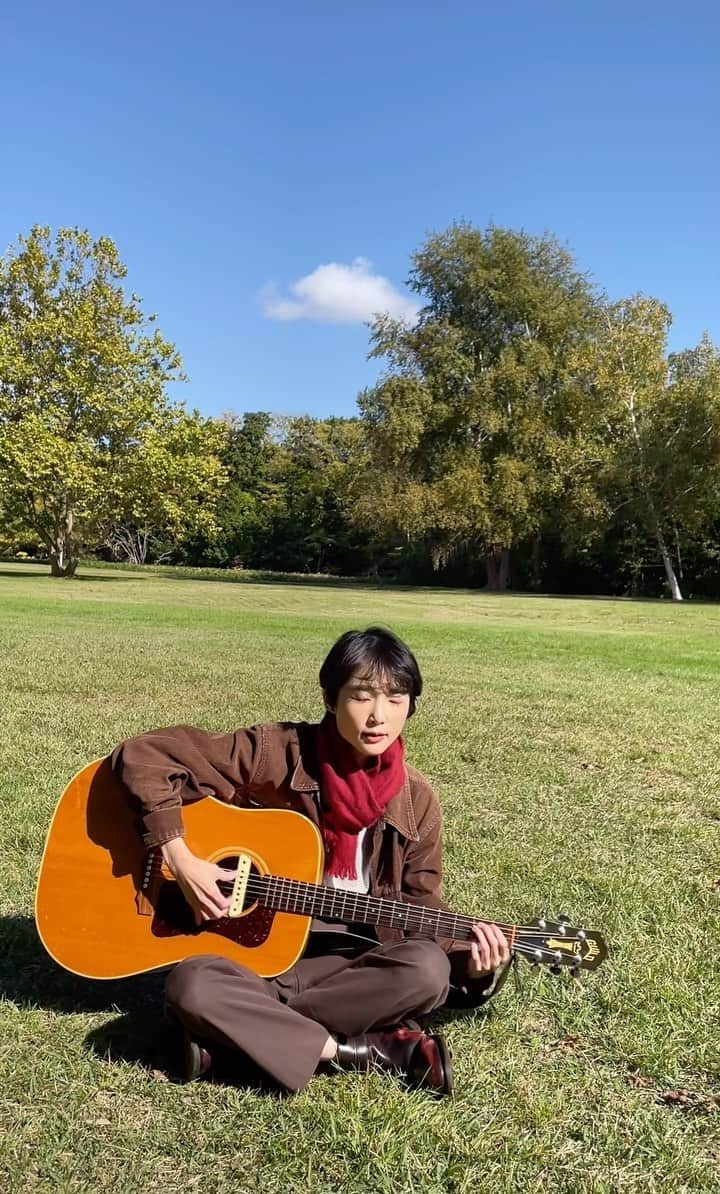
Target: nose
{"x":376,"y":716}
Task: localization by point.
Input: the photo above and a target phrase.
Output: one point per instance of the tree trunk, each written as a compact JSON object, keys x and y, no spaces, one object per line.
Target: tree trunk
{"x":655,"y":521}
{"x":497,"y":564}
{"x":669,"y":570}
{"x":64,"y":550}
{"x":63,"y":563}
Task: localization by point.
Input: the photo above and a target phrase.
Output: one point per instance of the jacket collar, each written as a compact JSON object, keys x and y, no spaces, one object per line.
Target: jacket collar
{"x":398,"y":811}
{"x":400,"y":814}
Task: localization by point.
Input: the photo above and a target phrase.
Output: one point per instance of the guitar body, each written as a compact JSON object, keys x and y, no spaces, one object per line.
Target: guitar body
{"x":106,"y":908}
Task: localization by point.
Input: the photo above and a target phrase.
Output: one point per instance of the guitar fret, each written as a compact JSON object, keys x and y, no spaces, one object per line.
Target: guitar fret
{"x":311,"y":899}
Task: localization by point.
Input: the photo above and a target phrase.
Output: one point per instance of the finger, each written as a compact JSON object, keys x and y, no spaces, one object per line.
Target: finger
{"x":483,"y":953}
{"x":483,"y":946}
{"x":217,"y":910}
{"x":224,"y":873}
{"x":475,"y":965}
{"x":494,"y":945}
{"x":501,"y":941}
{"x":213,"y":903}
{"x":504,"y":951}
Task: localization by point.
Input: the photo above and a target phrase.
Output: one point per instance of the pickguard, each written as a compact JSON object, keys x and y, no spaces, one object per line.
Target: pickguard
{"x":173,"y":918}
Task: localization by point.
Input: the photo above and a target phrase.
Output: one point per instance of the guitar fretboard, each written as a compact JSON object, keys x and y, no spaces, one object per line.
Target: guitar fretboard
{"x":350,"y":907}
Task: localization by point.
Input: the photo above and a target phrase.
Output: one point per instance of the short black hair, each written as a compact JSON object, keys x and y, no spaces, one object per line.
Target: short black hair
{"x":373,"y":652}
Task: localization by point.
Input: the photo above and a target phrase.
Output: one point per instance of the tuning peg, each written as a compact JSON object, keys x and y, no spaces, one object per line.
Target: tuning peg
{"x":542,"y":921}
{"x":556,"y":969}
{"x":563,"y":919}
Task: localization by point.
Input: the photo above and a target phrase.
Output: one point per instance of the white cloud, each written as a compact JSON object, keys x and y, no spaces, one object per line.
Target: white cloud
{"x":336,"y":293}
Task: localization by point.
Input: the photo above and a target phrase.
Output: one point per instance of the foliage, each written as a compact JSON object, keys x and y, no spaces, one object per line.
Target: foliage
{"x":289,"y":495}
{"x":663,"y":424}
{"x":88,"y":439}
{"x":525,"y":430}
{"x":478,"y":426}
{"x":315,"y":469}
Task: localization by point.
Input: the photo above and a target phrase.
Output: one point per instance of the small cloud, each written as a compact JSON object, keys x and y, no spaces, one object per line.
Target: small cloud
{"x":336,"y":293}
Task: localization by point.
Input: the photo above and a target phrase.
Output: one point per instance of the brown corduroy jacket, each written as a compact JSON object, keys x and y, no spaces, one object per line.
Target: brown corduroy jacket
{"x":275,"y":766}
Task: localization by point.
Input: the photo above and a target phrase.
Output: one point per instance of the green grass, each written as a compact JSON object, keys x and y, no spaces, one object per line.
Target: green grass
{"x":574,"y":746}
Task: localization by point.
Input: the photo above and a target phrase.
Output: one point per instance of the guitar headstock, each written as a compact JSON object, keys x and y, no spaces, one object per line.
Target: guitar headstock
{"x":556,"y":943}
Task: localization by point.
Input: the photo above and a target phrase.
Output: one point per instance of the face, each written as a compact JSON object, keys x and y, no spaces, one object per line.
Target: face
{"x":370,"y":714}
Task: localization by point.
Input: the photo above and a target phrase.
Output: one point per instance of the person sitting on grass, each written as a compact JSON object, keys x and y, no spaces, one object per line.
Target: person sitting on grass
{"x":351,"y":1000}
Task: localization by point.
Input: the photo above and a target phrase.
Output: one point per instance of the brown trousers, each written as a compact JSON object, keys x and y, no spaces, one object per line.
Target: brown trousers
{"x":282,"y":1024}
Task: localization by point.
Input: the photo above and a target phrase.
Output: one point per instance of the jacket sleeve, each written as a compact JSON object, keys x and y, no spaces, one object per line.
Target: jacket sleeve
{"x":164,"y":769}
{"x":423,"y":884}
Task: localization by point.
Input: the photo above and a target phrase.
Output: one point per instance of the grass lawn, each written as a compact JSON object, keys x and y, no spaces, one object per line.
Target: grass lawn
{"x":574,"y":746}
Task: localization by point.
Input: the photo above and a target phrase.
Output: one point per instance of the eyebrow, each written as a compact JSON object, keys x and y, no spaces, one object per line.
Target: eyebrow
{"x":367,"y":683}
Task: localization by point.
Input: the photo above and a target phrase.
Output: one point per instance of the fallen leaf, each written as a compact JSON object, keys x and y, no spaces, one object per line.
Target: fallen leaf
{"x":563,"y":1043}
{"x":689,"y":1100}
{"x":640,"y":1081}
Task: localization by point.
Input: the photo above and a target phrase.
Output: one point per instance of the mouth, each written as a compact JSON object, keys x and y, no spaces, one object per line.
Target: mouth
{"x":372,"y":738}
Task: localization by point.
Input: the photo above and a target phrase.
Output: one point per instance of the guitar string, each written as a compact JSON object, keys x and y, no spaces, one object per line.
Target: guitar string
{"x":317,"y":894}
{"x":298,"y":892}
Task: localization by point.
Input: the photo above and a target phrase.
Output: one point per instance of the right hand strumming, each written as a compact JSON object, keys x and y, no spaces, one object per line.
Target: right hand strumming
{"x":198,"y":881}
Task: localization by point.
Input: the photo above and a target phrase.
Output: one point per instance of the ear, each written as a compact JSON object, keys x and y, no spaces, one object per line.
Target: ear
{"x":330,"y":708}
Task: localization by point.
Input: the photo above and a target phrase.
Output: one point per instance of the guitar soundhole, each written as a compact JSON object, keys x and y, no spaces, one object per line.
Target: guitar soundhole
{"x":173,"y":916}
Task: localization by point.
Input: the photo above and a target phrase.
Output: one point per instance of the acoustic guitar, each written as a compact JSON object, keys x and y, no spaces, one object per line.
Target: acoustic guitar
{"x":106,"y":907}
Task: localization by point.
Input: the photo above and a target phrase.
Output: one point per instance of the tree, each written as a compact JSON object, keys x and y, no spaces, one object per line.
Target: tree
{"x":663,"y":425}
{"x":170,"y":484}
{"x":243,"y":511}
{"x":86,"y":428}
{"x":309,"y":527}
{"x":479,"y":426}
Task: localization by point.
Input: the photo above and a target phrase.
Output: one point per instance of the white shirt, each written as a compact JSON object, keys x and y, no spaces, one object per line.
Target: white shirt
{"x":362,"y":869}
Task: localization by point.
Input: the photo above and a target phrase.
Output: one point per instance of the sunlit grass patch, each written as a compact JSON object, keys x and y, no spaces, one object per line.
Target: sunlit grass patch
{"x":574,"y":748}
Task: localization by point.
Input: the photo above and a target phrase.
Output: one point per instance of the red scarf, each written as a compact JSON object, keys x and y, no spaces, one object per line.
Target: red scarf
{"x":353,"y":796}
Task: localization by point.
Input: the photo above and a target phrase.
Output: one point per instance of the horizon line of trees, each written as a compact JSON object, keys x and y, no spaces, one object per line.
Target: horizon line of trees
{"x":526,"y":432}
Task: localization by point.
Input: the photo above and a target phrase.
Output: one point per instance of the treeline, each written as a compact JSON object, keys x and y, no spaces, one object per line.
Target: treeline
{"x":526,"y":432}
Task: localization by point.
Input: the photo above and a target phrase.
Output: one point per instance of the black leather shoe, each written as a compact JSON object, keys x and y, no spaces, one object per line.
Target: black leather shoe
{"x":421,"y":1059}
{"x":197,"y":1060}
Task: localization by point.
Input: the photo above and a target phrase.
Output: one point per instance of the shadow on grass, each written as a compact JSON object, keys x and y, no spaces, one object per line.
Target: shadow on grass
{"x":31,"y":979}
{"x":14,"y":573}
{"x":145,"y":1039}
{"x":141,"y":1035}
{"x":119,"y":572}
{"x":150,"y":1041}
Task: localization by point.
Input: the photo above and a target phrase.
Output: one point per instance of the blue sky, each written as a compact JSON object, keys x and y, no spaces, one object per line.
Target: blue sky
{"x":233,"y":150}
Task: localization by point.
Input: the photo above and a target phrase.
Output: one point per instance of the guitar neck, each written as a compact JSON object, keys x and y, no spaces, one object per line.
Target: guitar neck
{"x":351,"y":907}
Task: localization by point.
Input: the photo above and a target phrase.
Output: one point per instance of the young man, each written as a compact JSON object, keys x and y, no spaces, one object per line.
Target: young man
{"x":347,"y":1002}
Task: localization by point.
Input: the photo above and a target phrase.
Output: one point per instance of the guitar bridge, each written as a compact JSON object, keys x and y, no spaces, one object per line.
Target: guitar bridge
{"x":237,"y":901}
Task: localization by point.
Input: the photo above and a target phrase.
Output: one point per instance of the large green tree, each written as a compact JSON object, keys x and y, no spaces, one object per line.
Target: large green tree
{"x":87,"y":433}
{"x":478,"y":428}
{"x":662,"y":416}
